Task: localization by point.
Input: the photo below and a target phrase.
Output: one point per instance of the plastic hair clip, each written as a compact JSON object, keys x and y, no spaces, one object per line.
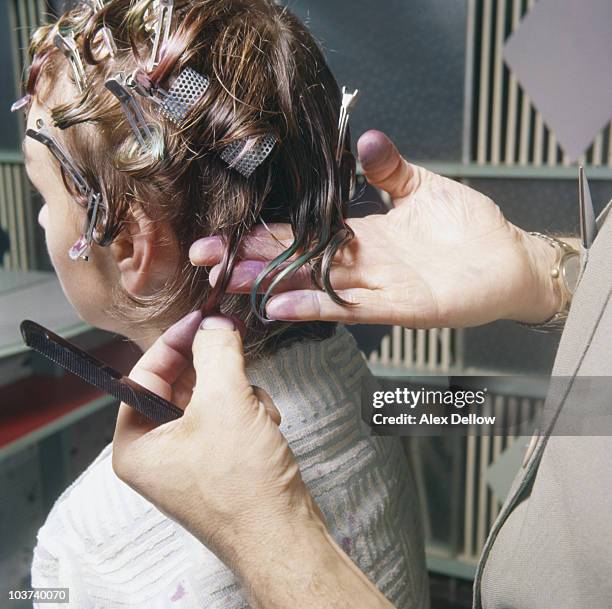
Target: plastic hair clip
{"x":107,"y":36}
{"x":132,"y":109}
{"x":21,"y":103}
{"x":82,"y":248}
{"x":161,"y":33}
{"x":67,"y":46}
{"x":348,"y":102}
{"x":246,"y":155}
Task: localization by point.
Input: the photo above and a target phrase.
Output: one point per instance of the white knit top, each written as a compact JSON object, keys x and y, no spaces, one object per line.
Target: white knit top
{"x":113,"y":549}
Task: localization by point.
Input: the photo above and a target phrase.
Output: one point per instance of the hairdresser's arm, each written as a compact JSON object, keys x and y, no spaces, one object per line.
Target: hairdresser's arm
{"x":444,"y":256}
{"x":226,"y":473}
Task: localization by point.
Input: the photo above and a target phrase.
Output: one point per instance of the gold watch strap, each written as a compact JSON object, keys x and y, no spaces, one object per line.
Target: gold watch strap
{"x":557,"y":321}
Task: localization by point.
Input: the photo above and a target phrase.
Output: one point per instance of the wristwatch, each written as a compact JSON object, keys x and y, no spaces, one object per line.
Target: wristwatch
{"x":565,"y":273}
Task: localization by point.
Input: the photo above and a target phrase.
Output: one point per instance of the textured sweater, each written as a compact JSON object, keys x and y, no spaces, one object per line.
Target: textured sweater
{"x":113,"y":549}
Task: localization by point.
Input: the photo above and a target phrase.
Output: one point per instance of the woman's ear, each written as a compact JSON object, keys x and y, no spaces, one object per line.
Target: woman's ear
{"x":146,"y":255}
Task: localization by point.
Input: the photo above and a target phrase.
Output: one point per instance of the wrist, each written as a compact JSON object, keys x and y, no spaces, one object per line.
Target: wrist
{"x":297,"y":563}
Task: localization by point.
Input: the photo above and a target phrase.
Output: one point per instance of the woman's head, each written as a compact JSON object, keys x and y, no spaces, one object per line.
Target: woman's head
{"x":267,"y":77}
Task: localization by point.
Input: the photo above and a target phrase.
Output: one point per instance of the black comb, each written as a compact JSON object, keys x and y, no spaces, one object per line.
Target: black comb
{"x":97,"y":373}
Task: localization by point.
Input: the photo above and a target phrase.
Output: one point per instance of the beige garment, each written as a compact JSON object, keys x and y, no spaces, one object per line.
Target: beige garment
{"x":551,"y":546}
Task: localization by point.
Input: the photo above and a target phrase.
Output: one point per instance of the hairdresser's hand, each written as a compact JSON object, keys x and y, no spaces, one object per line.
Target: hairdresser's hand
{"x":444,"y":256}
{"x":226,"y":473}
{"x":223,"y":470}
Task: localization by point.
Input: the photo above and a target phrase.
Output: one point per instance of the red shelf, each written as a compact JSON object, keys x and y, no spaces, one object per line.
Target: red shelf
{"x":34,"y":402}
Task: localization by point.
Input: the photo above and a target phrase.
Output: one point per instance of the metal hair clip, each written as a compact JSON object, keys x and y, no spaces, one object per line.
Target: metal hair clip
{"x":245,"y":156}
{"x":45,"y":138}
{"x":82,"y":247}
{"x":67,"y":45}
{"x":348,"y":102}
{"x":188,"y":88}
{"x":107,"y":36}
{"x":131,"y":107}
{"x":163,"y":21}
{"x":185,"y":92}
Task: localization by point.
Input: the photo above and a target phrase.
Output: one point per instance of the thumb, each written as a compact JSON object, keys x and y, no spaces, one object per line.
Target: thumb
{"x":385,"y":168}
{"x":218,"y":360}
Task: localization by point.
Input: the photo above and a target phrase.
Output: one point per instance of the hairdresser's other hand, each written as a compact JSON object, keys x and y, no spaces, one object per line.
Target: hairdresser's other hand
{"x":224,"y":470}
{"x":444,"y":256}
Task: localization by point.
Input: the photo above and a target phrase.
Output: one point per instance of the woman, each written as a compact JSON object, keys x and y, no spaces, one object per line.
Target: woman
{"x":145,"y":186}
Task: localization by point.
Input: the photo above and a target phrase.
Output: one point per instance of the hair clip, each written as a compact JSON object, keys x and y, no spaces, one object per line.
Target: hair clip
{"x":67,"y":46}
{"x":96,"y":6}
{"x":44,"y":137}
{"x":243,"y":155}
{"x":131,"y":108}
{"x":82,"y":247}
{"x":348,"y":102}
{"x":161,"y":33}
{"x":246,"y":155}
{"x":22,"y":102}
{"x":186,"y":90}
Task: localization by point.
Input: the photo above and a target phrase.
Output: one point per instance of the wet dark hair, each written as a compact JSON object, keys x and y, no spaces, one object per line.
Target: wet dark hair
{"x":267,"y":76}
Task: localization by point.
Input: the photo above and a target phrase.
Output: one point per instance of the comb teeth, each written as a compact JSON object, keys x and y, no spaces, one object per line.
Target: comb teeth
{"x":184,"y":93}
{"x":245,"y":156}
{"x":96,"y":373}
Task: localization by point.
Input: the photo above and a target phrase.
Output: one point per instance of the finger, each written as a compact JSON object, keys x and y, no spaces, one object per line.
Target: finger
{"x":218,"y":360}
{"x":307,"y":305}
{"x":264,"y":397}
{"x":157,"y":370}
{"x":385,"y":168}
{"x":246,"y":272}
{"x":260,"y":244}
{"x":171,"y":353}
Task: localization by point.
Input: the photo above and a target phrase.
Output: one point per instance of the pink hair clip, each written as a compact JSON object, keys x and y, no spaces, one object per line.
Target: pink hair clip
{"x":21,"y":103}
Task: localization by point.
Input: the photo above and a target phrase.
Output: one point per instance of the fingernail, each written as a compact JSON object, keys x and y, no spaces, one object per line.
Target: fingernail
{"x":283,"y":307}
{"x":180,"y":335}
{"x":373,"y":148}
{"x":217,"y":322}
{"x":208,"y":249}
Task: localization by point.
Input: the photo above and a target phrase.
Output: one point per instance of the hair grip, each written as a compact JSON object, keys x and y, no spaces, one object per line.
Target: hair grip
{"x":348,"y":103}
{"x":96,"y":6}
{"x":68,"y":48}
{"x":161,"y":31}
{"x":132,"y":109}
{"x":42,"y":136}
{"x":82,"y":247}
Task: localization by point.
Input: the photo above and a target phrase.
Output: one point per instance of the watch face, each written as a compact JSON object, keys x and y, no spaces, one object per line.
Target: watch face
{"x":570,"y":268}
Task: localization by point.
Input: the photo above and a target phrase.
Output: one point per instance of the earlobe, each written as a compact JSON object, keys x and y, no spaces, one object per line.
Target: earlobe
{"x":142,"y":264}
